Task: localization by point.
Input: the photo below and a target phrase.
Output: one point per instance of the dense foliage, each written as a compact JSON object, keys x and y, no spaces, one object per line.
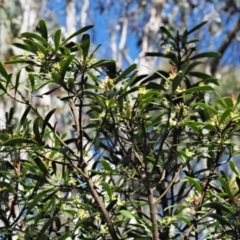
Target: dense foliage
{"x":142,"y":156}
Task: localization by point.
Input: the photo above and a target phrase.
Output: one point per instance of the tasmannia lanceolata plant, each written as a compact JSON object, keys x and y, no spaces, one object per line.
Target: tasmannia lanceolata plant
{"x":115,"y":155}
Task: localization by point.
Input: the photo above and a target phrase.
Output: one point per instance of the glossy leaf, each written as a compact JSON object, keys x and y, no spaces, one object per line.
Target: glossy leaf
{"x":3,"y":71}
{"x":36,"y":131}
{"x":65,"y":64}
{"x":168,"y":33}
{"x":106,"y":165}
{"x":206,"y":55}
{"x":17,"y":81}
{"x":124,"y":74}
{"x":225,"y":115}
{"x":82,"y":30}
{"x":220,"y":219}
{"x":85,"y":44}
{"x":199,"y":89}
{"x":102,"y":63}
{"x":233,"y":167}
{"x":42,"y":29}
{"x":196,"y":27}
{"x":128,"y":214}
{"x":46,"y":120}
{"x":195,"y":182}
{"x":226,"y":187}
{"x":40,"y":165}
{"x":107,"y":188}
{"x":176,"y":82}
{"x":57,"y":39}
{"x":18,"y":141}
{"x":30,"y":35}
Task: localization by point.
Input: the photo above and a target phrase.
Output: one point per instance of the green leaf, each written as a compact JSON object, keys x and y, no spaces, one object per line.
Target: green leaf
{"x":176,"y":82}
{"x":36,"y":200}
{"x":225,"y":115}
{"x":107,"y":188}
{"x":3,"y":71}
{"x":168,"y":33}
{"x":206,"y":54}
{"x":56,"y":77}
{"x":40,"y":165}
{"x":199,"y":75}
{"x":31,"y":80}
{"x":106,"y":165}
{"x":26,"y":112}
{"x":207,"y":107}
{"x":36,"y":131}
{"x":84,"y":29}
{"x":102,"y":63}
{"x":229,"y":102}
{"x":18,"y":141}
{"x":41,"y":234}
{"x":57,"y":39}
{"x":196,"y":27}
{"x":24,"y":47}
{"x":30,"y":62}
{"x":183,"y":219}
{"x":220,"y":219}
{"x":199,"y":89}
{"x":46,"y":120}
{"x":233,"y":167}
{"x":65,"y":64}
{"x":238,"y":99}
{"x":193,"y":181}
{"x":8,"y":186}
{"x":125,"y":73}
{"x":42,"y":29}
{"x":17,"y":81}
{"x":65,"y":236}
{"x":85,"y":44}
{"x":226,"y":188}
{"x":217,"y":206}
{"x":128,"y":214}
{"x":30,"y":35}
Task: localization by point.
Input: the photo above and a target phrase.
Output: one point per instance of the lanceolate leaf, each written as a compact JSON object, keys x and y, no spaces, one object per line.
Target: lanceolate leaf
{"x":85,"y":44}
{"x":18,"y":141}
{"x":102,"y":63}
{"x":82,"y":30}
{"x":3,"y":71}
{"x":24,"y":116}
{"x":195,"y":182}
{"x":206,"y":55}
{"x":36,"y":131}
{"x":164,"y":30}
{"x":65,"y":64}
{"x":125,"y":73}
{"x":42,"y":29}
{"x":220,"y":219}
{"x":57,"y":39}
{"x":34,"y":36}
{"x":196,"y":27}
{"x":46,"y":120}
{"x":42,"y":234}
{"x":108,"y":190}
{"x":40,"y":165}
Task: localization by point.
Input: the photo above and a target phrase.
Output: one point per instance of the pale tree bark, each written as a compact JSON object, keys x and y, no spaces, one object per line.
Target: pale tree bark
{"x":149,"y":35}
{"x":70,"y":18}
